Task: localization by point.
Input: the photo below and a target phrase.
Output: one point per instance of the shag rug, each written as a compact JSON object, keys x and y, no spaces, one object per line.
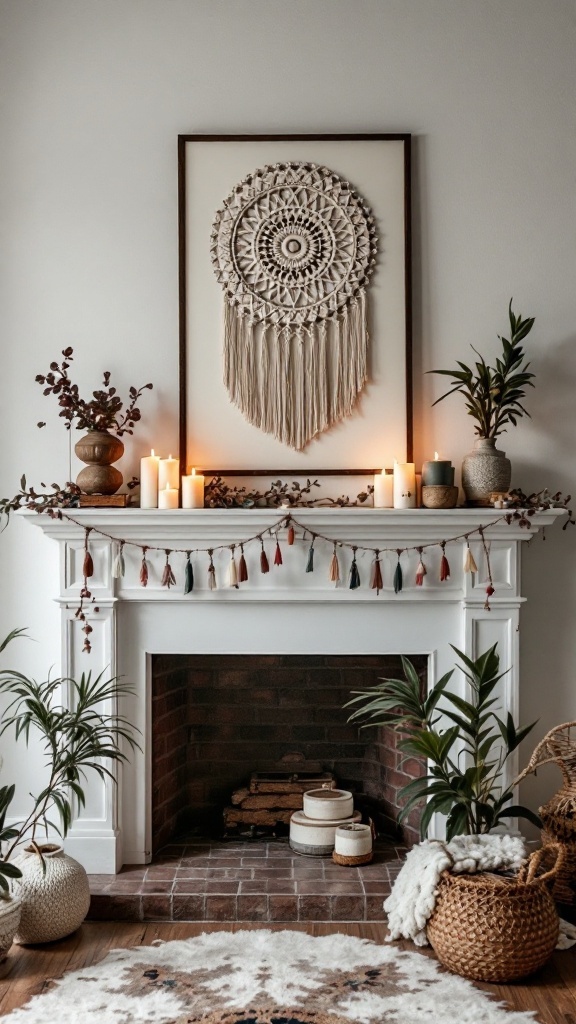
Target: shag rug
{"x":264,"y":977}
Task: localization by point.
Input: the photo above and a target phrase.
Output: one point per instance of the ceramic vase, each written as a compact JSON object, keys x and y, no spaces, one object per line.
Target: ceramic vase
{"x":99,"y":450}
{"x":10,"y":910}
{"x":55,"y":895}
{"x":485,"y":470}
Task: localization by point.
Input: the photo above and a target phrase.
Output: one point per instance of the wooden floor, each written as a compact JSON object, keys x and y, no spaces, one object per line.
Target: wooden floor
{"x":551,"y":993}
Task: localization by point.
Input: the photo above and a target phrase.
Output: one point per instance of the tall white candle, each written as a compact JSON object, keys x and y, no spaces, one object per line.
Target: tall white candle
{"x":168,"y":498}
{"x":404,"y":485}
{"x":169,"y":473}
{"x":149,"y":481}
{"x":383,"y":490}
{"x":193,"y":490}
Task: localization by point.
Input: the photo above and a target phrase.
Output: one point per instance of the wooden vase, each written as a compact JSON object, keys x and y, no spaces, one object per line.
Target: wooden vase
{"x":99,"y":450}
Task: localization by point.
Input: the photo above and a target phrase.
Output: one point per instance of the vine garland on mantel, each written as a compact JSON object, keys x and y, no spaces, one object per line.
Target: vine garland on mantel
{"x":238,"y":570}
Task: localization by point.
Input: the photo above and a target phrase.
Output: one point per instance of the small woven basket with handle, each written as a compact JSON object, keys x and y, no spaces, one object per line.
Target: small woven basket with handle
{"x":494,"y":928}
{"x":559,"y":814}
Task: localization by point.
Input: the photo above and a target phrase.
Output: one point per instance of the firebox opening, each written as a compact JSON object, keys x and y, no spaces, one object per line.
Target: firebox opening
{"x":217,"y":719}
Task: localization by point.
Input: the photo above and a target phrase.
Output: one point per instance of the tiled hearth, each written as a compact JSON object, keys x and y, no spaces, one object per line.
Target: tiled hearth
{"x":267,"y":881}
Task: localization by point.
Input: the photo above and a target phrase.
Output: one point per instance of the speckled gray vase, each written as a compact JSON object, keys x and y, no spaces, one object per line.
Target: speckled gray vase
{"x":55,"y":895}
{"x":485,"y":470}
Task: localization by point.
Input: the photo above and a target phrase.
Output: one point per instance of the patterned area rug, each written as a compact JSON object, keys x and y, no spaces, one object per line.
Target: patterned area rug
{"x":264,"y":977}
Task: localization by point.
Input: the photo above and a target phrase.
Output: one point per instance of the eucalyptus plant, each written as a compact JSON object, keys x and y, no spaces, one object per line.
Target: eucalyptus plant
{"x":494,"y":394}
{"x":76,"y":738}
{"x":466,"y":759}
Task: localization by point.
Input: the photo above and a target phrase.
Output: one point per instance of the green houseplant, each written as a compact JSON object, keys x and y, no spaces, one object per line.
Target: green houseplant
{"x":77,"y":737}
{"x":493,"y":397}
{"x":465,"y":759}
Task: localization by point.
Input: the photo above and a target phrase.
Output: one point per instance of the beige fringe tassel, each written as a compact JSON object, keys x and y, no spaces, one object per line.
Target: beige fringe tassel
{"x":295,"y":382}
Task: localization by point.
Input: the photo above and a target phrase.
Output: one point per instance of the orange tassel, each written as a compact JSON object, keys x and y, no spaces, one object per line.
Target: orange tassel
{"x":290,"y":535}
{"x":277,"y":554}
{"x":334,"y":574}
{"x":376,"y":580}
{"x":88,"y":567}
{"x":264,"y":566}
{"x":242,"y":568}
{"x":168,"y":578}
{"x":444,"y":566}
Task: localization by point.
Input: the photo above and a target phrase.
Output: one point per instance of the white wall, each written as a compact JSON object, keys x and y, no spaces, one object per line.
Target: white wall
{"x":94,"y":95}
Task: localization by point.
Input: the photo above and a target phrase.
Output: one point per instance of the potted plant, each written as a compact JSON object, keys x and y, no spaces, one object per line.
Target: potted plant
{"x":103,"y":416}
{"x":494,"y":396}
{"x":77,"y":737}
{"x":465,"y":759}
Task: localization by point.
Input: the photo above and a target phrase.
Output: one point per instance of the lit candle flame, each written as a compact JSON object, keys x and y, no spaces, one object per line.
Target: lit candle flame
{"x":436,"y":456}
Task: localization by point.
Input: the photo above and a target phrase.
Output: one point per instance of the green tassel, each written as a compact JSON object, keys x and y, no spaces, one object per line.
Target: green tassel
{"x":354,"y":575}
{"x":188,"y":577}
{"x":310,"y":562}
{"x":398,"y":578}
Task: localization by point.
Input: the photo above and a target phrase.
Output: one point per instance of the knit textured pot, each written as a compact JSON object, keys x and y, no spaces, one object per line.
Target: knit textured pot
{"x":484,"y":471}
{"x":10,"y":910}
{"x":55,"y":896}
{"x":99,"y":450}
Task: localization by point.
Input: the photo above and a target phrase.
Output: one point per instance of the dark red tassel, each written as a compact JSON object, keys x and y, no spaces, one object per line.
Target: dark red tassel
{"x":290,"y":535}
{"x":264,"y":566}
{"x":489,"y":592}
{"x":277,"y":554}
{"x":88,"y":567}
{"x":444,"y":566}
{"x":144,"y":570}
{"x":242,"y":568}
{"x":168,"y":578}
{"x":376,"y":582}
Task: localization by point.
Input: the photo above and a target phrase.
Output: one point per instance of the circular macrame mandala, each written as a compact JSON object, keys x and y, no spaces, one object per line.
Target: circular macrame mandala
{"x":293,"y":248}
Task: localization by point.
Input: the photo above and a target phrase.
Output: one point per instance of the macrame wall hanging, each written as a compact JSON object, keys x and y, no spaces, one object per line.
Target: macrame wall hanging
{"x":293,"y":248}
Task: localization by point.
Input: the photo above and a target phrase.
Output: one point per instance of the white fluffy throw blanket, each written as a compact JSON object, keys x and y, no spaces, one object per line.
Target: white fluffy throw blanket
{"x":413,"y":897}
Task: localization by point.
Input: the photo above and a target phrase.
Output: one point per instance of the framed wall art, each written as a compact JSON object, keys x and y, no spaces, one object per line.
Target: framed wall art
{"x":295,"y":303}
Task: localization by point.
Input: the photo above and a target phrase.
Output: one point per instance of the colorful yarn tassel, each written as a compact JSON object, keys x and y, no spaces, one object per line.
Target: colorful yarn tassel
{"x":264,"y":564}
{"x":290,"y":535}
{"x":376,"y":582}
{"x":168,"y":577}
{"x":469,"y":563}
{"x":421,"y":570}
{"x":277,"y":554}
{"x":444,"y":566}
{"x":334,"y":574}
{"x":310,"y":562}
{"x":233,"y":570}
{"x":188,"y":575}
{"x":212,"y":585}
{"x":144,"y":570}
{"x":354,"y":574}
{"x":118,"y":567}
{"x":242,"y":567}
{"x":398,"y":576}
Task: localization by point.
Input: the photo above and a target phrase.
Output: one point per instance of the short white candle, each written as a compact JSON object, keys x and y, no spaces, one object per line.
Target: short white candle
{"x":404,"y":485}
{"x":193,"y":490}
{"x":168,"y":498}
{"x":168,"y":473}
{"x":383,"y":490}
{"x":149,"y":481}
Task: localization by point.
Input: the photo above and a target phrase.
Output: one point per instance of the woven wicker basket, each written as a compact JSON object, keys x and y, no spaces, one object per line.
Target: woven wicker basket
{"x":492,"y":928}
{"x":559,"y":814}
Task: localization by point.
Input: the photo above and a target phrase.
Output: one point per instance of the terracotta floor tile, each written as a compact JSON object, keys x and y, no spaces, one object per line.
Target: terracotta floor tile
{"x":220,"y":908}
{"x":283,"y":908}
{"x":157,"y":908}
{"x":188,"y":908}
{"x":348,"y":908}
{"x":252,"y":908}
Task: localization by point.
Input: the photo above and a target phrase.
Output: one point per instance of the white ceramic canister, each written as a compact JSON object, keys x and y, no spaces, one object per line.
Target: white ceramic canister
{"x":328,"y":804}
{"x":315,"y":838}
{"x":353,"y":840}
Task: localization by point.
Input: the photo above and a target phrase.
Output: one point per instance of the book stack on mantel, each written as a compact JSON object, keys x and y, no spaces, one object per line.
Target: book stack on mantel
{"x":103,"y":500}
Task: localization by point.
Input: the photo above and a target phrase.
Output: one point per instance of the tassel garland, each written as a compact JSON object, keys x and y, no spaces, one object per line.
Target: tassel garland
{"x":188,"y":575}
{"x":118,"y":567}
{"x":242,"y":567}
{"x":211,"y":573}
{"x":354,"y":574}
{"x":421,"y":570}
{"x":469,"y":562}
{"x":398,"y":576}
{"x":277,"y":554}
{"x":290,"y":535}
{"x":264,"y":565}
{"x":144,"y":569}
{"x":168,"y":577}
{"x":376,"y":579}
{"x":444,"y":565}
{"x":233,"y":570}
{"x":310,"y":562}
{"x":334,"y":574}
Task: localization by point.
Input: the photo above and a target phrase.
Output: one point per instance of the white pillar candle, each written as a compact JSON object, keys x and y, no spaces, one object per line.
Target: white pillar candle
{"x":383,"y":490}
{"x":168,"y":473}
{"x":168,"y":498}
{"x":193,"y":490}
{"x":149,"y":481}
{"x":404,"y":485}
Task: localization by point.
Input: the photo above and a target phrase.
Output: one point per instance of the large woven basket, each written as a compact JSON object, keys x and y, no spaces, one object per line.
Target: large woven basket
{"x":559,"y":814}
{"x":493,"y":928}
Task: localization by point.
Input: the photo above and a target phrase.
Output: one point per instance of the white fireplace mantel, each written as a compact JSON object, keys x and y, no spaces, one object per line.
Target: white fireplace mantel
{"x":286,"y":611}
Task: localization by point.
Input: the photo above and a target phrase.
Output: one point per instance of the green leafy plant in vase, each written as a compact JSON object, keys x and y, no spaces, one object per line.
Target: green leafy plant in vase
{"x":493,"y":397}
{"x":465,"y":759}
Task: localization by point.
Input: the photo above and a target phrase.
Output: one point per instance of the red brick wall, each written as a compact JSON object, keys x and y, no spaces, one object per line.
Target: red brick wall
{"x":216,"y":718}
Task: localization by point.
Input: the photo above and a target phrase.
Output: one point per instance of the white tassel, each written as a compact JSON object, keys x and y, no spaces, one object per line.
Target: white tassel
{"x":233,"y":571}
{"x":469,"y":563}
{"x":118,"y":566}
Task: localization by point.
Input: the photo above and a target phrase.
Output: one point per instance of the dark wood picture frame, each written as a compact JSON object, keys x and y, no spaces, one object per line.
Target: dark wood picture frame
{"x":183,"y":140}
